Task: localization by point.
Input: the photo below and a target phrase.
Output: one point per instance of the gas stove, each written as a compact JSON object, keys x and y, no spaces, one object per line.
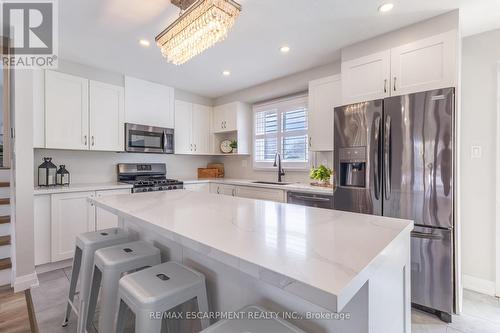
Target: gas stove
{"x":147,"y":177}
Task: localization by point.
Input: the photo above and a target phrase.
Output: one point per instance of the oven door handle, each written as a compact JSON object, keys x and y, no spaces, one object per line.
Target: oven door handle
{"x":426,"y":235}
{"x":165,"y":143}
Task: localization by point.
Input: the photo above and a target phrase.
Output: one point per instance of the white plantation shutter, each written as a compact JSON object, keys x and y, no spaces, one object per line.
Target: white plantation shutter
{"x":281,"y":126}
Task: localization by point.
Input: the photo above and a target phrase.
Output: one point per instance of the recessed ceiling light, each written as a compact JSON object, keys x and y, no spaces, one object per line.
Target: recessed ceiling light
{"x":285,"y":49}
{"x":386,"y":7}
{"x":226,"y":73}
{"x":144,"y":42}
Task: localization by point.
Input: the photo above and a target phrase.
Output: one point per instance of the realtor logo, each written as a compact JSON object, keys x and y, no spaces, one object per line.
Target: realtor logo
{"x":31,"y":27}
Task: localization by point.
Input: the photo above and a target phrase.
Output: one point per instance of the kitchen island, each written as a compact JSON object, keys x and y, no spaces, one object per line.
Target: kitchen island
{"x":302,"y":260}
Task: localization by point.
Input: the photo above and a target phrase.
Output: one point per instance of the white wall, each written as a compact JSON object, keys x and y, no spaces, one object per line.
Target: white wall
{"x":480,"y":56}
{"x":420,"y":30}
{"x":281,"y":87}
{"x":100,"y":167}
{"x":23,"y":233}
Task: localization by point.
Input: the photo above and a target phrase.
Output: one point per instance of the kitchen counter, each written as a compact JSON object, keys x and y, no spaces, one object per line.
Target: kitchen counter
{"x":295,"y":187}
{"x":81,"y":188}
{"x":326,"y":257}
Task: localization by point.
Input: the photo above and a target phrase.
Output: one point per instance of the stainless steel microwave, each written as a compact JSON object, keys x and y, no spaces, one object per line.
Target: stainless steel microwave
{"x":148,"y":139}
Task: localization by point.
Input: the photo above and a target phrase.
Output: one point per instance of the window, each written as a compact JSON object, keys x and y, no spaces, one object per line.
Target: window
{"x":281,"y":126}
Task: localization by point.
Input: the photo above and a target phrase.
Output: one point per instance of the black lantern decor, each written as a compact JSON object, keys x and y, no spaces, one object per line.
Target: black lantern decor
{"x":47,"y":173}
{"x":62,"y":176}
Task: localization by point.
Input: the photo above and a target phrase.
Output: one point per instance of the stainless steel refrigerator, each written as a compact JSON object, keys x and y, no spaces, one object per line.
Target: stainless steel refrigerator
{"x":394,"y":157}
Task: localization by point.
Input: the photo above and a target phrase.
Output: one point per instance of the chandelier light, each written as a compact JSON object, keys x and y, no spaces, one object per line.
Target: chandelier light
{"x":200,"y":26}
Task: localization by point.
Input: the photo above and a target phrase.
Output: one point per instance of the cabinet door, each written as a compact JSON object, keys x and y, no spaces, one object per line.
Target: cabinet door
{"x":103,"y":218}
{"x":424,"y":65}
{"x":183,"y":128}
{"x":260,"y":193}
{"x":324,"y":95}
{"x":148,"y":103}
{"x":42,"y":229}
{"x":366,"y":78}
{"x":223,"y":189}
{"x":201,"y":129}
{"x":198,"y":187}
{"x":72,"y":215}
{"x":219,"y":114}
{"x":66,"y":111}
{"x":107,"y":115}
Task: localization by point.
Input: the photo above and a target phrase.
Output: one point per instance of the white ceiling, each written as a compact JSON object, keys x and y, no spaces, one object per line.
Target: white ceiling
{"x":105,"y":34}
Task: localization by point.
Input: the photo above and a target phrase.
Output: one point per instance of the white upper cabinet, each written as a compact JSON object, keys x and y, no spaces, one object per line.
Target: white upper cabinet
{"x":66,"y":111}
{"x":366,"y":78}
{"x":225,"y":118}
{"x":201,"y":129}
{"x":423,"y":65}
{"x":183,"y":127}
{"x":148,"y":103}
{"x":324,"y":95}
{"x":107,"y":115}
{"x":192,"y":128}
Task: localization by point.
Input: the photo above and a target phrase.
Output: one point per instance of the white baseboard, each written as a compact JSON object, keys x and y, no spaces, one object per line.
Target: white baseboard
{"x":25,"y":282}
{"x":478,"y":285}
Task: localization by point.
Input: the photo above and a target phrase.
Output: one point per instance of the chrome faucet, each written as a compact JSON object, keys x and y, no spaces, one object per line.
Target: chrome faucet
{"x":281,"y":172}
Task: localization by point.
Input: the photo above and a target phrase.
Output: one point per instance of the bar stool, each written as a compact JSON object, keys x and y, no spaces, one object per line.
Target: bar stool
{"x":157,"y":290}
{"x":83,"y":260}
{"x":109,"y":265}
{"x":254,"y":321}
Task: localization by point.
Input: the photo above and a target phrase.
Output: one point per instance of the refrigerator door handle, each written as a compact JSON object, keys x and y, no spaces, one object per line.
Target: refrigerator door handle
{"x":387,"y":157}
{"x":376,"y":161}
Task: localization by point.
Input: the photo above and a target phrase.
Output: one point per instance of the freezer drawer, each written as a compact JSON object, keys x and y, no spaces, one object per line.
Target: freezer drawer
{"x":432,"y":268}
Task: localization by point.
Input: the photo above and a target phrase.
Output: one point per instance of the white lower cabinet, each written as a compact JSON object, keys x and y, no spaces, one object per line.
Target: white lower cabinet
{"x":42,"y":227}
{"x":223,"y":189}
{"x":198,"y":187}
{"x":71,"y":215}
{"x":103,"y":218}
{"x":261,"y":193}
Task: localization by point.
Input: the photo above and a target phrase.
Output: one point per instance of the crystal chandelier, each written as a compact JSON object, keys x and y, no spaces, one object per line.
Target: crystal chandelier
{"x":202,"y":24}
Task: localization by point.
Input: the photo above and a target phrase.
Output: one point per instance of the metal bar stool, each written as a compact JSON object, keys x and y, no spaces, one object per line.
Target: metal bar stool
{"x":255,"y":321}
{"x":83,"y":261}
{"x":157,"y":290}
{"x":109,"y":265}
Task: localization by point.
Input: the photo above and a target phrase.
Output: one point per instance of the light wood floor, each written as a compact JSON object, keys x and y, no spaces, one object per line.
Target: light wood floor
{"x":15,"y":312}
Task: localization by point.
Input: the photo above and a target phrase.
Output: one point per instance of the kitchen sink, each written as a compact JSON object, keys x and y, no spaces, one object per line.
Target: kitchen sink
{"x":271,"y":183}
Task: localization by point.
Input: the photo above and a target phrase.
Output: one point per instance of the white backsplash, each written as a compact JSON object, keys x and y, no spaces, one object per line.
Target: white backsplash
{"x":100,"y":167}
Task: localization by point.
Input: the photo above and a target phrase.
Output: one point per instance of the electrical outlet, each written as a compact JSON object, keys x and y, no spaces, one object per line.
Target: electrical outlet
{"x":476,"y":152}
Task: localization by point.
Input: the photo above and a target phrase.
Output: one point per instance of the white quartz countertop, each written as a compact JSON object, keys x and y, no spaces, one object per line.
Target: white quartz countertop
{"x":295,"y":187}
{"x":328,"y":250}
{"x":81,"y":188}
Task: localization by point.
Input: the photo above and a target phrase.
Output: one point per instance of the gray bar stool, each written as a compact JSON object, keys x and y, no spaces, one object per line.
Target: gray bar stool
{"x":83,"y":262}
{"x":109,"y":265}
{"x":253,"y":321}
{"x":157,"y":290}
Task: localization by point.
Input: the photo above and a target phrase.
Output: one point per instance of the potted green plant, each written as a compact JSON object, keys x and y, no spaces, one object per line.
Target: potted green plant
{"x":321,"y":174}
{"x":234,"y":145}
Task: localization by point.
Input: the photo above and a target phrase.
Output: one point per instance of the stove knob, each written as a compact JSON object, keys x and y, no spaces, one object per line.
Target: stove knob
{"x":150,"y":189}
{"x":161,"y":188}
{"x":175,"y":187}
{"x":170,"y":187}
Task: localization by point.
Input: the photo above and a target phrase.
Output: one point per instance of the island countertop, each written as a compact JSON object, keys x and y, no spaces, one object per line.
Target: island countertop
{"x":331,"y":251}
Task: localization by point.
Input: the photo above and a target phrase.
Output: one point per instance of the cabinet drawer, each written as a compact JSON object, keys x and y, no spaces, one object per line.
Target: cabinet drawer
{"x":261,"y":193}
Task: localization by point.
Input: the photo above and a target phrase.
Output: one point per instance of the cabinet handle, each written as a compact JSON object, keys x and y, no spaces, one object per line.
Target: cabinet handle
{"x":191,"y":146}
{"x":234,"y":192}
{"x":195,"y":147}
{"x":310,"y":144}
{"x":385,"y":85}
{"x":218,"y":190}
{"x":85,"y":139}
{"x":225,"y":124}
{"x":93,"y":141}
{"x":222,"y":124}
{"x":394,"y":83}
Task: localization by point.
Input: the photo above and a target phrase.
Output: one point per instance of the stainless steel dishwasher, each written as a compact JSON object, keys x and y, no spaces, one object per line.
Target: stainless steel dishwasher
{"x":310,"y":199}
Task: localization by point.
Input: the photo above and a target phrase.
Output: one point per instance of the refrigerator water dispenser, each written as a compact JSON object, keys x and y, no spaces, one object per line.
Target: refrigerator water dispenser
{"x":353,"y":167}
